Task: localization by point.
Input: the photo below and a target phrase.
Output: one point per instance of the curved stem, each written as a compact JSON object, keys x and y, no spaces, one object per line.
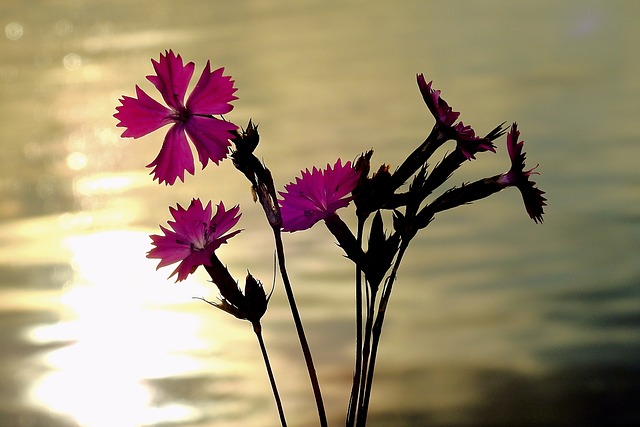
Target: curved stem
{"x":262,"y":183}
{"x":419,"y":157}
{"x":258,"y":330}
{"x":355,"y":388}
{"x":299,"y":328}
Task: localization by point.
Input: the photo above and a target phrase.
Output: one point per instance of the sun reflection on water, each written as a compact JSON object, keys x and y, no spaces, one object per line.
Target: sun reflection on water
{"x":112,"y":340}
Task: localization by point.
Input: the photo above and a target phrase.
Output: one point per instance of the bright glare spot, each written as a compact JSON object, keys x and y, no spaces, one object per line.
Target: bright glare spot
{"x":75,"y":221}
{"x":113,"y":262}
{"x":94,"y":397}
{"x":76,"y":161}
{"x":172,"y":413}
{"x":72,"y":61}
{"x":100,"y":185}
{"x":108,"y":183}
{"x":114,"y":341}
{"x":13,"y":31}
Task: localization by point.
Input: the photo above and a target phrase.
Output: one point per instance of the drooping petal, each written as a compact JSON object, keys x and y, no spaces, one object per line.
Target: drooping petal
{"x":316,"y":195}
{"x":534,"y":201}
{"x":174,"y":159}
{"x":191,"y":262}
{"x":211,"y":137}
{"x":299,"y":220}
{"x":142,"y":115}
{"x":212,"y":93}
{"x":517,"y":176}
{"x":172,"y":78}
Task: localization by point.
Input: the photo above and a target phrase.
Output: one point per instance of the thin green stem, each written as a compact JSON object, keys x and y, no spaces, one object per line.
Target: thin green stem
{"x":258,"y":330}
{"x":299,"y":328}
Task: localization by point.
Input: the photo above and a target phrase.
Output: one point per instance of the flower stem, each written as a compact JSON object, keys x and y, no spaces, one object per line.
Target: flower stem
{"x":299,"y":328}
{"x":258,"y":330}
{"x":355,"y":388}
{"x":366,"y":354}
{"x":377,"y":331}
{"x":418,"y":158}
{"x":262,"y":184}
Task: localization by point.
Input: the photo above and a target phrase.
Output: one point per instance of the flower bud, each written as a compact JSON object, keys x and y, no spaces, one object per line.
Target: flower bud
{"x":247,"y":141}
{"x":256,"y":299}
{"x":380,"y":252}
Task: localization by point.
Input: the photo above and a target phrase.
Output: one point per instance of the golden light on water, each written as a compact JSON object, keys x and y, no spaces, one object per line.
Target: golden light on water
{"x":114,"y":341}
{"x":493,"y":317}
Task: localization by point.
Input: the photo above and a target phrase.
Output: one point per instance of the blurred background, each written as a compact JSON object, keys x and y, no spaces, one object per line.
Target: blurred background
{"x":494,"y":320}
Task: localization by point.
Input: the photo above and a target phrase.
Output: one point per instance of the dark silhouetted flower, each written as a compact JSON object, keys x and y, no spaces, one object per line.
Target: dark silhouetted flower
{"x":469,"y":144}
{"x":195,"y":234}
{"x":210,"y":136}
{"x":441,"y":111}
{"x":517,"y":176}
{"x":317,"y":195}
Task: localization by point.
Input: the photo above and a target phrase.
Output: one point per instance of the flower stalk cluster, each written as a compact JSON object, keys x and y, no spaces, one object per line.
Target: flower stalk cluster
{"x":195,"y":233}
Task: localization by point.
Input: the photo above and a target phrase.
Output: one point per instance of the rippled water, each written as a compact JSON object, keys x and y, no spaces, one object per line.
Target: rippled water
{"x":495,"y":320}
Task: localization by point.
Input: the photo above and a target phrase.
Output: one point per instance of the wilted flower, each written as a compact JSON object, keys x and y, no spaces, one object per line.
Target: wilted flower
{"x":317,"y":195}
{"x":517,"y":176}
{"x":195,"y":235}
{"x":209,"y":135}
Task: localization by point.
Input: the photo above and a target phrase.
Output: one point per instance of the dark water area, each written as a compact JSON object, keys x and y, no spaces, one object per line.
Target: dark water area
{"x":494,"y":321}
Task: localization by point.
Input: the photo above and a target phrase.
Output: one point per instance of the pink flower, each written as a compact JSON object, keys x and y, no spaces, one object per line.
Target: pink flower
{"x":210,"y":136}
{"x":517,"y":176}
{"x":443,"y":114}
{"x":317,"y":195}
{"x":195,"y":235}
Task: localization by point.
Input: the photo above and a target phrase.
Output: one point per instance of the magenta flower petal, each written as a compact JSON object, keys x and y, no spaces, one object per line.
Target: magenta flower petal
{"x":210,"y":136}
{"x":172,"y":78}
{"x":141,"y":115}
{"x":174,"y":159}
{"x":441,"y":111}
{"x":517,"y":176}
{"x":185,"y":218}
{"x":316,"y":195}
{"x":193,"y":237}
{"x":168,"y":253}
{"x":212,"y":93}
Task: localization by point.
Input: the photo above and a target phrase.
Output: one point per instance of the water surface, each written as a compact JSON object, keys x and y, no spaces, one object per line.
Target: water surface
{"x":495,"y":320}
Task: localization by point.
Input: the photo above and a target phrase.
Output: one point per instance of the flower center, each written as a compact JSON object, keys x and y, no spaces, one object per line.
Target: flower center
{"x":202,"y":240}
{"x":182,"y":115}
{"x":320,"y":203}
